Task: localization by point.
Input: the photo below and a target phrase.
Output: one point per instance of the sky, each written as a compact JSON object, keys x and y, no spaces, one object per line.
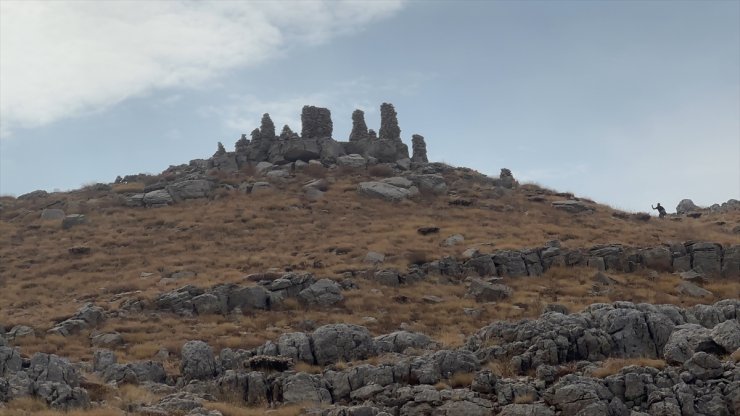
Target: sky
{"x":629,"y":103}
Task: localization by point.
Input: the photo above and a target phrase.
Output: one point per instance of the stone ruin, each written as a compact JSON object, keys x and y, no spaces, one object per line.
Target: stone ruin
{"x":316,"y":142}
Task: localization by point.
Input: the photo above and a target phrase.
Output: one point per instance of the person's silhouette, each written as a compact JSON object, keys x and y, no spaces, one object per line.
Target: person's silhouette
{"x":661,"y":210}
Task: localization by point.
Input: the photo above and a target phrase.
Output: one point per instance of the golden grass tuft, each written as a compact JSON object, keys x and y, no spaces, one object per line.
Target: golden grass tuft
{"x":614,"y":365}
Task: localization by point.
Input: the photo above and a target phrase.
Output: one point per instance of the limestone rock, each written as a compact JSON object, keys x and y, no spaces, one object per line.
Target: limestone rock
{"x":690,"y":289}
{"x":158,"y":198}
{"x":686,"y":206}
{"x":52,"y":214}
{"x":483,"y":291}
{"x":305,"y":388}
{"x":572,"y":206}
{"x":324,"y":292}
{"x":352,"y":161}
{"x":342,"y":342}
{"x":383,"y":191}
{"x":198,"y":362}
{"x":73,"y":220}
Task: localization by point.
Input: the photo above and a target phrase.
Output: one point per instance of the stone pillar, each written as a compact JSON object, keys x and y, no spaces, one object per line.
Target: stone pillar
{"x":287,"y":133}
{"x":221,"y":149}
{"x":419,"y":147}
{"x":316,"y":122}
{"x":359,"y":128}
{"x":267,"y":127}
{"x":371,"y":134}
{"x":389,"y":123}
{"x":256,"y":136}
{"x":242,"y":144}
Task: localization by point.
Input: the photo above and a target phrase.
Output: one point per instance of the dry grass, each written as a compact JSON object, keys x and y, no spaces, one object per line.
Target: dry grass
{"x":524,"y":399}
{"x":235,"y":410}
{"x":614,"y":365}
{"x":225,"y":238}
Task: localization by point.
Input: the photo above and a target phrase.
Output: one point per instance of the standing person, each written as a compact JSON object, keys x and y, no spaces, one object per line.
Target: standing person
{"x":661,"y":210}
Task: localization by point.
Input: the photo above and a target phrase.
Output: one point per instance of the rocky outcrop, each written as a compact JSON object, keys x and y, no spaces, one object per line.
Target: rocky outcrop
{"x":88,"y":316}
{"x":622,"y":329}
{"x":388,"y":123}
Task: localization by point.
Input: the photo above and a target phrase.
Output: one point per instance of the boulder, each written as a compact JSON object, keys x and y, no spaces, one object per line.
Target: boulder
{"x":324,"y":292}
{"x":158,"y":198}
{"x":198,"y":362}
{"x":352,"y":161}
{"x":305,"y":388}
{"x":433,"y":184}
{"x":483,"y":291}
{"x":690,"y":289}
{"x":345,"y":342}
{"x":453,"y":240}
{"x":536,"y":409}
{"x":190,"y":189}
{"x":572,"y":206}
{"x":373,"y":257}
{"x":704,"y":366}
{"x":73,"y":220}
{"x":400,"y":341}
{"x":383,"y":191}
{"x":388,"y":277}
{"x":398,"y":181}
{"x":727,"y":335}
{"x":686,"y":206}
{"x":684,"y":341}
{"x":52,"y":214}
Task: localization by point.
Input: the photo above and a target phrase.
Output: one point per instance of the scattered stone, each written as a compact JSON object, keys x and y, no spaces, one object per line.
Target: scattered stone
{"x":383,"y":191}
{"x":79,"y":250}
{"x":427,"y":230}
{"x":690,"y":289}
{"x":52,"y":214}
{"x":73,"y":220}
{"x":324,"y":292}
{"x":352,"y":161}
{"x":374,"y":257}
{"x":484,"y":291}
{"x":572,"y":206}
{"x":692,"y":276}
{"x":505,"y":179}
{"x":453,"y":240}
{"x":432,"y":299}
{"x":198,"y":362}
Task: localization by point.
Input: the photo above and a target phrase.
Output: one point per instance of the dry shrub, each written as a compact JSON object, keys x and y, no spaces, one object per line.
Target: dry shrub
{"x":131,"y":187}
{"x":228,"y":409}
{"x":303,"y":367}
{"x":735,"y":356}
{"x":501,"y":368}
{"x":315,"y":171}
{"x":614,"y":365}
{"x":381,"y":171}
{"x":525,"y":399}
{"x":460,"y":380}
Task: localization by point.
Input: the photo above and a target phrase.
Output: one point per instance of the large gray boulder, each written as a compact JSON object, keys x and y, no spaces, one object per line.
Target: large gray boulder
{"x":198,"y":362}
{"x":345,"y":342}
{"x":704,"y":366}
{"x":684,"y":341}
{"x":727,"y":335}
{"x":572,"y":206}
{"x":574,"y":394}
{"x":400,"y":341}
{"x":324,"y":292}
{"x":384,"y":191}
{"x":10,"y":361}
{"x":430,"y":184}
{"x":686,"y":206}
{"x":190,"y":189}
{"x":73,"y":220}
{"x":52,"y":214}
{"x":297,"y":346}
{"x":483,"y":291}
{"x":305,"y":388}
{"x":158,"y":198}
{"x":536,"y":409}
{"x":352,"y":161}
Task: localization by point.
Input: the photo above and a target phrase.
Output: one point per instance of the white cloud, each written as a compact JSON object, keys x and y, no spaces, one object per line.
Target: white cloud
{"x":61,"y":59}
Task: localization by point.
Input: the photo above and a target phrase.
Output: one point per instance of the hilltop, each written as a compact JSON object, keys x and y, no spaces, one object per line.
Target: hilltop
{"x":301,"y":272}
